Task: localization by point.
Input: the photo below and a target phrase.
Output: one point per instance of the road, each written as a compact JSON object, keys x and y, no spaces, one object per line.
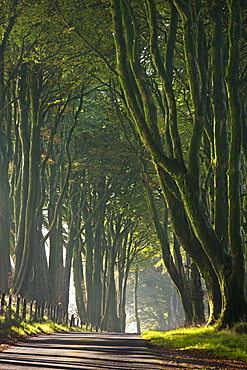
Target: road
{"x":89,"y":351}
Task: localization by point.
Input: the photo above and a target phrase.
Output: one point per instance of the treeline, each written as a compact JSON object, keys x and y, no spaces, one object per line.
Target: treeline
{"x":14,"y":307}
{"x":71,"y":193}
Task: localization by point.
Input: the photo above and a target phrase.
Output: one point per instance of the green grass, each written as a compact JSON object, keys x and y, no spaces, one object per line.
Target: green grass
{"x":224,"y":344}
{"x":14,"y":330}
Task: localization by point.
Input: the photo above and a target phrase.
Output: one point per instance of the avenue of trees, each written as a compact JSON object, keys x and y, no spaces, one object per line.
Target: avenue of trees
{"x":123,"y":136}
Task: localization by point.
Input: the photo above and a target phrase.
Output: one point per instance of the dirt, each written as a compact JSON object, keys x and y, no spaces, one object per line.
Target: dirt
{"x":171,"y":359}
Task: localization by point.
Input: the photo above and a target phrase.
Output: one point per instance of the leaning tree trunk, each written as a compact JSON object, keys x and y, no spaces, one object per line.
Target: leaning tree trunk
{"x":191,"y":244}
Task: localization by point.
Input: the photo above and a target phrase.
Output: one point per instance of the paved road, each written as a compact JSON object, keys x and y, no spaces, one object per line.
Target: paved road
{"x":80,"y":351}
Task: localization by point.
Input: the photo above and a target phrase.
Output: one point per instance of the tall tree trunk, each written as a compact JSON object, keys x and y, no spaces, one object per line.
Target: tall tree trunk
{"x":55,"y":239}
{"x":138,"y":324}
{"x":235,"y":305}
{"x":21,"y":194}
{"x":110,"y":320}
{"x":99,"y":248}
{"x":197,"y":296}
{"x":221,"y":140}
{"x":89,"y":261}
{"x":79,"y":282}
{"x":5,"y":264}
{"x":26,"y":268}
{"x":40,"y":286}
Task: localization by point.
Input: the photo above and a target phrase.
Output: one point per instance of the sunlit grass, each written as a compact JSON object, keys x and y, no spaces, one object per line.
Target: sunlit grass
{"x":13,"y":330}
{"x":224,"y":343}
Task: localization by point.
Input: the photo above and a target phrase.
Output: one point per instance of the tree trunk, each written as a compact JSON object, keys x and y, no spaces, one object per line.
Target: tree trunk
{"x":79,"y":282}
{"x":235,"y":305}
{"x":21,"y":194}
{"x":26,"y":268}
{"x":221,"y":140}
{"x":197,"y":296}
{"x":55,"y":239}
{"x":191,"y":244}
{"x":89,"y":262}
{"x":138,"y":324}
{"x":5,"y":264}
{"x":110,"y":320}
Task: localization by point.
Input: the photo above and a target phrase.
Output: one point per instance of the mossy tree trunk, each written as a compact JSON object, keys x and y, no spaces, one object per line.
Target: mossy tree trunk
{"x":5,"y":153}
{"x":197,"y":296}
{"x":190,"y":244}
{"x":24,"y":274}
{"x":21,"y":193}
{"x":55,"y":239}
{"x":110,"y":319}
{"x":174,"y":269}
{"x":235,"y":305}
{"x":88,"y":259}
{"x":221,"y":139}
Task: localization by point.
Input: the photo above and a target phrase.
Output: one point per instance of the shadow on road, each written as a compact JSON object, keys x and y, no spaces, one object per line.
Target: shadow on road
{"x":80,"y":351}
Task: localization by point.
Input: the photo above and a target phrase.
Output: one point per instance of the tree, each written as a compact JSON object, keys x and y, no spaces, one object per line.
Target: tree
{"x":9,"y":14}
{"x":173,"y":262}
{"x":186,"y":171}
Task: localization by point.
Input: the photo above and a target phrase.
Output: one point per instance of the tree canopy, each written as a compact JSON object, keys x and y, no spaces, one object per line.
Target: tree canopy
{"x":123,"y":129}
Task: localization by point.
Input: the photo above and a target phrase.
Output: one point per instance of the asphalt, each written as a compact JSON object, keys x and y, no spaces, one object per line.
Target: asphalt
{"x":75,"y":350}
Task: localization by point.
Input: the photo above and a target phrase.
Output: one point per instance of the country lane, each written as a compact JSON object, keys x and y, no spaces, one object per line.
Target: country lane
{"x":80,"y":350}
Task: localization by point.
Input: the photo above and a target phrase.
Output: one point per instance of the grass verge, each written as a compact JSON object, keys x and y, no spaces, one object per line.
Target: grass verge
{"x":220,"y":344}
{"x":14,"y":330}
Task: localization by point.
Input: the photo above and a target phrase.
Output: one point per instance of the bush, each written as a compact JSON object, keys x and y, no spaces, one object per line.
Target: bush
{"x":240,"y":328}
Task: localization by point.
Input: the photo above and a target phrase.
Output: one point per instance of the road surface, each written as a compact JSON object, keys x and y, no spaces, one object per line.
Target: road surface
{"x":88,"y":351}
